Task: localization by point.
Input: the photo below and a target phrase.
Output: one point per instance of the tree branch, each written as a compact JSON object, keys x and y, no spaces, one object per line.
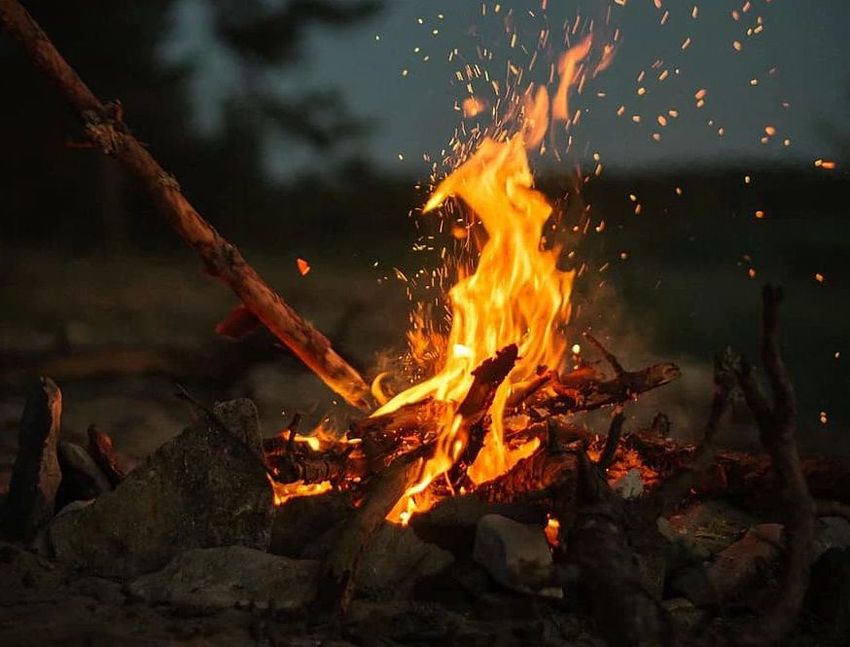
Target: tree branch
{"x":104,"y":127}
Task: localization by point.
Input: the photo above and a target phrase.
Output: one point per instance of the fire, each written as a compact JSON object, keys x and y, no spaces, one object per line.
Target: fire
{"x":284,"y":492}
{"x":516,"y":295}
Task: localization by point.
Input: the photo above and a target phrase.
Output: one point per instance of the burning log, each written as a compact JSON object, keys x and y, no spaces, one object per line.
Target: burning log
{"x":390,"y":485}
{"x":473,"y":410}
{"x":391,"y":434}
{"x":105,"y":128}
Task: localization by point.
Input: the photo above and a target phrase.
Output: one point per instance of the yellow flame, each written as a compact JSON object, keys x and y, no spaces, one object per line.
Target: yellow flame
{"x":516,"y":295}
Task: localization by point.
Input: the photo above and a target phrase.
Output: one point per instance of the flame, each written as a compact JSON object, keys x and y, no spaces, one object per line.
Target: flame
{"x":284,"y":492}
{"x":516,"y":295}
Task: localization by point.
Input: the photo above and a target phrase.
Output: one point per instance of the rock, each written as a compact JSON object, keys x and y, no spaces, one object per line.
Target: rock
{"x":683,"y":614}
{"x":516,"y":555}
{"x":733,"y":569}
{"x":706,"y":527}
{"x":394,"y":560}
{"x":81,"y":477}
{"x":828,"y":597}
{"x":451,"y":523}
{"x":629,"y":485}
{"x":25,"y":576}
{"x":202,"y":489}
{"x":299,"y":523}
{"x":231,"y":576}
{"x":241,"y":418}
{"x":831,"y":532}
{"x":35,"y":479}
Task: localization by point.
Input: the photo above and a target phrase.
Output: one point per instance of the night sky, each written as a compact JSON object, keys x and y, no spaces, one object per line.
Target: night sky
{"x":805,"y":44}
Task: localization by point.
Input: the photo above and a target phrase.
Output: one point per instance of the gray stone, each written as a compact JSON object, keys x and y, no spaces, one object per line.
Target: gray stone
{"x":516,"y":555}
{"x":831,"y":532}
{"x":732,"y":569}
{"x":231,"y":576}
{"x":241,"y":418}
{"x":203,"y":488}
{"x":394,"y":560}
{"x":629,"y":485}
{"x":81,"y":477}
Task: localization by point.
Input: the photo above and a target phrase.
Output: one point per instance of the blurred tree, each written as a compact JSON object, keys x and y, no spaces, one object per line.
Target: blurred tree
{"x":127,"y":51}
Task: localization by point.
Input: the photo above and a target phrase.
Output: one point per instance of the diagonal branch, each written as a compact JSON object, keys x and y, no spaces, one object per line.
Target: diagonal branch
{"x":105,"y":128}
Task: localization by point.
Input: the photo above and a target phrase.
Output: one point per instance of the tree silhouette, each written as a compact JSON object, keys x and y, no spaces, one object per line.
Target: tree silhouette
{"x":80,"y":196}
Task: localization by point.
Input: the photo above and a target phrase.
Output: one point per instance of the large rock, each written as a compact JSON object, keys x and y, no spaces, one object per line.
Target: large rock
{"x":394,"y":560}
{"x":204,"y":488}
{"x":36,"y":474}
{"x":220,"y":578}
{"x":516,"y":555}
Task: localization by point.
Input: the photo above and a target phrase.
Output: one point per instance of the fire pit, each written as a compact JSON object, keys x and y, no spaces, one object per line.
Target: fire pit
{"x":474,"y":503}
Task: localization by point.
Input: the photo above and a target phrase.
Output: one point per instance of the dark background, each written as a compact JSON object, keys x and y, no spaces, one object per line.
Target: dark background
{"x":292,"y":129}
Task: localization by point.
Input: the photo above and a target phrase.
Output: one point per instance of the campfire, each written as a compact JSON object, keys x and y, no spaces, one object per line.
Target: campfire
{"x":486,"y":462}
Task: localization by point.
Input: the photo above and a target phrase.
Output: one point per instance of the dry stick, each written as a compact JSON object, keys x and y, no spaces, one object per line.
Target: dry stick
{"x":104,"y":127}
{"x":612,"y":441}
{"x":673,"y":490}
{"x":36,"y":474}
{"x":777,"y":429}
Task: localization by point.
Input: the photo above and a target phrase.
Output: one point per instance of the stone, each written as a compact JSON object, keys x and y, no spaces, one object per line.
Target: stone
{"x":299,"y":522}
{"x":827,"y":600}
{"x":516,"y":555}
{"x":241,"y":418}
{"x":81,"y":477}
{"x":35,"y":479}
{"x":206,"y":579}
{"x":451,"y":523}
{"x":394,"y":560}
{"x":629,"y":485}
{"x":204,"y":488}
{"x":733,"y":569}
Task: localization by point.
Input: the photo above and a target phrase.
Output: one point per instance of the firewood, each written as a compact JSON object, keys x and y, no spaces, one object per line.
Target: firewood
{"x":36,"y":475}
{"x":100,"y":449}
{"x":336,"y":586}
{"x":105,"y":128}
{"x":388,"y":435}
{"x":389,"y":485}
{"x":777,"y":423}
{"x":601,"y":568}
{"x":473,"y":410}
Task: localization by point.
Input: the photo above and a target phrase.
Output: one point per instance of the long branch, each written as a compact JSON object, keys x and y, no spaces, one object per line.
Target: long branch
{"x":105,"y":128}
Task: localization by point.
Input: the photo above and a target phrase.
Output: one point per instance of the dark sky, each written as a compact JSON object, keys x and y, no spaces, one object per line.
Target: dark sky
{"x":800,"y":59}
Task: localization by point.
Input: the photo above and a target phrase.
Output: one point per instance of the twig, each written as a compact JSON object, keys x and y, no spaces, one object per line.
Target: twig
{"x":673,"y":490}
{"x":104,"y":127}
{"x":609,"y":356}
{"x":777,"y":429}
{"x":612,"y":442}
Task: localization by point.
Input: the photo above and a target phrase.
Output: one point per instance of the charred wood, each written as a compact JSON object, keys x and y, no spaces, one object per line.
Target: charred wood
{"x":36,"y":475}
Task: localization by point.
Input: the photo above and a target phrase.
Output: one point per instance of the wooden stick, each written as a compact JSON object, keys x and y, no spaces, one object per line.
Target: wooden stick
{"x":36,"y":474}
{"x":105,"y":128}
{"x":777,"y":422}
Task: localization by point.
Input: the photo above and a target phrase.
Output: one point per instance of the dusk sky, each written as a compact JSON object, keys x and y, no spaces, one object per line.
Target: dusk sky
{"x":792,"y":76}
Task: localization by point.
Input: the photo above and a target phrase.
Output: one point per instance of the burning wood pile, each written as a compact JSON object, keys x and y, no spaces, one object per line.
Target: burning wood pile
{"x":478,"y":487}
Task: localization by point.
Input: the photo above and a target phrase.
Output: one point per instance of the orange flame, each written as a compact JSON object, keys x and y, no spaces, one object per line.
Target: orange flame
{"x":517,"y":294}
